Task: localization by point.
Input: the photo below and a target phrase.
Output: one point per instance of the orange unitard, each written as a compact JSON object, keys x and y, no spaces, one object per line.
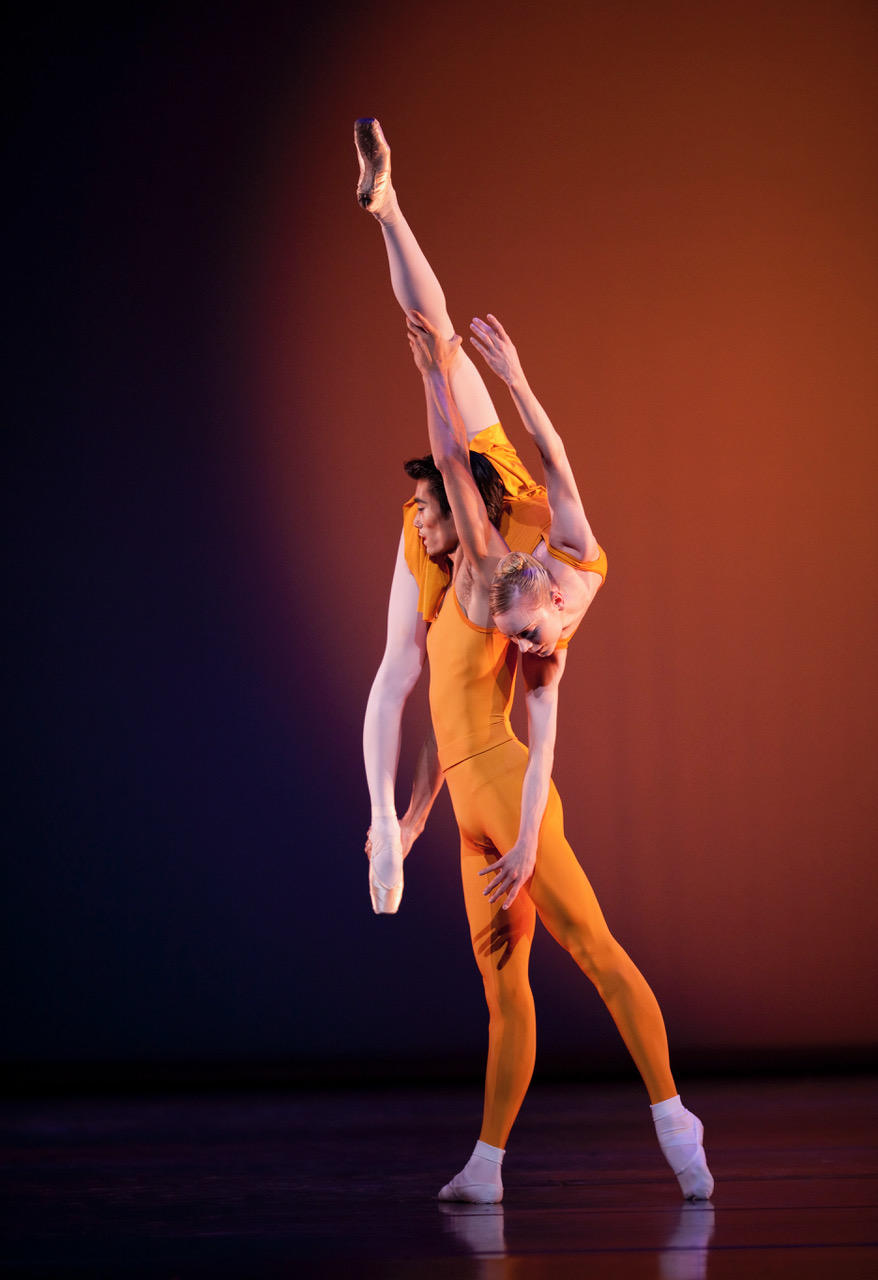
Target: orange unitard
{"x":472,"y":674}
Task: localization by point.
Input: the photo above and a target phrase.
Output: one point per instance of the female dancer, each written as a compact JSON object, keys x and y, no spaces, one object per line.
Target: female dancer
{"x":507,"y":809}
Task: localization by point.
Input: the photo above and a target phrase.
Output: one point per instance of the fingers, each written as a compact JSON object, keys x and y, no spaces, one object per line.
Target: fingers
{"x":420,"y":349}
{"x":482,"y":330}
{"x":499,"y":887}
{"x":490,"y":328}
{"x":508,"y":879}
{"x":500,"y":884}
{"x":418,"y":323}
{"x":490,"y":344}
{"x":417,"y":318}
{"x":510,"y":897}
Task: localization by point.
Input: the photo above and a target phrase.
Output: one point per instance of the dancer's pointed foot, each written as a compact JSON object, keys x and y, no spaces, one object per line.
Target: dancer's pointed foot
{"x":385,"y":898}
{"x":479,"y":1181}
{"x":385,"y":867}
{"x":374,"y":190}
{"x":681,"y":1138}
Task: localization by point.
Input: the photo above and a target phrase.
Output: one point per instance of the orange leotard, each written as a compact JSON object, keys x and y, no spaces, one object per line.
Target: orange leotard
{"x":472,"y":680}
{"x":472,"y":677}
{"x":472,"y":672}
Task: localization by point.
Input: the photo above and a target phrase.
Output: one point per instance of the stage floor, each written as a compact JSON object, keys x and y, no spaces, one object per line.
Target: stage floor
{"x":343,"y":1183}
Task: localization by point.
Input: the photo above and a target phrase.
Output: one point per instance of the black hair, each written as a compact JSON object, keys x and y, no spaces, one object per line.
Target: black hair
{"x":487,"y":479}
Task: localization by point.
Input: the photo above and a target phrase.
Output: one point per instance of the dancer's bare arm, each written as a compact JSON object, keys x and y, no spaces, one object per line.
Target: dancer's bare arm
{"x":541,"y":679}
{"x":570,"y":530}
{"x":397,"y":675}
{"x":434,"y":357}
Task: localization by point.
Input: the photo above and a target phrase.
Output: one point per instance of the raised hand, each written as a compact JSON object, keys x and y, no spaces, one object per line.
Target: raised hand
{"x":492,"y":341}
{"x":432,"y":352}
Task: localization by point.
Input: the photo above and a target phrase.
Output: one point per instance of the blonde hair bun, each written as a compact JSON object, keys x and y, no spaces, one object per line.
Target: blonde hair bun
{"x":519,"y":574}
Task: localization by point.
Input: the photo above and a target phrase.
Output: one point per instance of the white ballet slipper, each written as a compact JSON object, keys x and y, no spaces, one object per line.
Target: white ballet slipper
{"x":681,"y":1138}
{"x":695,"y":1178}
{"x":479,"y":1181}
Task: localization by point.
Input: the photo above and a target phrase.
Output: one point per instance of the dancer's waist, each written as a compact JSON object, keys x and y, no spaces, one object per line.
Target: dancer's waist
{"x":492,"y":733}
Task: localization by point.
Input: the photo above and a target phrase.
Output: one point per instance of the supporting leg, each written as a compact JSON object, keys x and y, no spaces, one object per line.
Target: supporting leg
{"x":501,"y":944}
{"x":566,"y":904}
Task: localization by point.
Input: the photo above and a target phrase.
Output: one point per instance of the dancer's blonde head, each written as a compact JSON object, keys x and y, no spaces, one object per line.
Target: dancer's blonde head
{"x":526,"y":603}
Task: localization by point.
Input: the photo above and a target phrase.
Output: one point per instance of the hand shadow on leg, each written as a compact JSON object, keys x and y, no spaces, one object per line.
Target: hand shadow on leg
{"x":498,"y":936}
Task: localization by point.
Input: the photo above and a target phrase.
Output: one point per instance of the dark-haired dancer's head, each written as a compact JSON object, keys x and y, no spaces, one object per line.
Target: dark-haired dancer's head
{"x":434,"y":521}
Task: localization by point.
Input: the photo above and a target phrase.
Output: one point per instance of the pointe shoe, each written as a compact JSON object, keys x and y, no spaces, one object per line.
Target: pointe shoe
{"x":385,"y":897}
{"x":373,"y":153}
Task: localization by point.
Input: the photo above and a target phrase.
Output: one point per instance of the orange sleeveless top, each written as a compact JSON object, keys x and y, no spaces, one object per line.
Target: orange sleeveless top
{"x":591,"y":566}
{"x":472,"y":680}
{"x":598,"y":566}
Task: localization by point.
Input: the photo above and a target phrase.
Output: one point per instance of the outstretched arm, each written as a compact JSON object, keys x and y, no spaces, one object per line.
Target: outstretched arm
{"x":541,"y":679}
{"x":435,"y":357}
{"x":570,"y":529}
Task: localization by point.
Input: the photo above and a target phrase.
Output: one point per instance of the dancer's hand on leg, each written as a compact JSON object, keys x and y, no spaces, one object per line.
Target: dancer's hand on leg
{"x":432,"y":352}
{"x":511,"y":873}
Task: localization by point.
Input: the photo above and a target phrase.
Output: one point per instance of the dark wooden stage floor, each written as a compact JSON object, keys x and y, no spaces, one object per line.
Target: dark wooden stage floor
{"x":306,"y":1184}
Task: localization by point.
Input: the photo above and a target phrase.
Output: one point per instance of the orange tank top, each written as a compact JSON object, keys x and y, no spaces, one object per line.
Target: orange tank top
{"x":472,"y":680}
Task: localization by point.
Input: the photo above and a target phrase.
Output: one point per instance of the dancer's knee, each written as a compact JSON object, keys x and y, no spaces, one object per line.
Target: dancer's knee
{"x":600,"y":958}
{"x":509,"y":999}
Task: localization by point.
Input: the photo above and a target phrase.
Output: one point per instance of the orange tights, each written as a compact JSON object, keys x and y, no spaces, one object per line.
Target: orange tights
{"x":486,"y":794}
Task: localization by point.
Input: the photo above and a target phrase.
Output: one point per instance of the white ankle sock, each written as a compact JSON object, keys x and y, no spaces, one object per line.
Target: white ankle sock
{"x":479,"y":1180}
{"x":680,"y":1135}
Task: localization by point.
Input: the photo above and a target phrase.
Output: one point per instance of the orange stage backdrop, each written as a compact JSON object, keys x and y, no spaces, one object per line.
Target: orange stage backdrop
{"x":672,"y":208}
